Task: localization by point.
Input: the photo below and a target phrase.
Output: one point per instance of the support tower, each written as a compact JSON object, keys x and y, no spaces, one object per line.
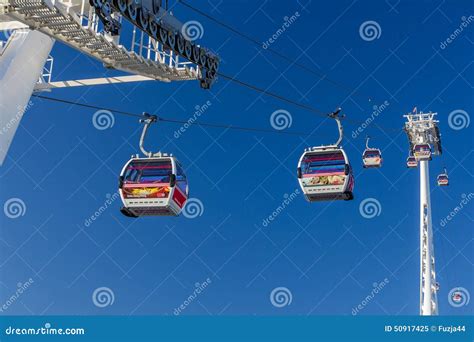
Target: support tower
{"x":423,"y":135}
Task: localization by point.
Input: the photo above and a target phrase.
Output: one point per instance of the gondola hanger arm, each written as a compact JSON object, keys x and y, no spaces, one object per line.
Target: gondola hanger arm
{"x":336,"y":116}
{"x":147,"y":120}
{"x":367,"y":138}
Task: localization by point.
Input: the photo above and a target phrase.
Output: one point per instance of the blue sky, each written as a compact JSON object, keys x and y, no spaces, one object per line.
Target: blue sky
{"x":327,"y":255}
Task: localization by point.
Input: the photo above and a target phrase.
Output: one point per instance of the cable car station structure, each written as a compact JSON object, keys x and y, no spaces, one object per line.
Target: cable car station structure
{"x":34,"y":25}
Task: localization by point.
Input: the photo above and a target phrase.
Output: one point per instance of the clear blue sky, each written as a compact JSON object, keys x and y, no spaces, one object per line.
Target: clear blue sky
{"x":327,"y":255}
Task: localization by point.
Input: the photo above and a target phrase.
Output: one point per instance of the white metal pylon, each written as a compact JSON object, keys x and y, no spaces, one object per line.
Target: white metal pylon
{"x":421,"y":128}
{"x":21,"y":64}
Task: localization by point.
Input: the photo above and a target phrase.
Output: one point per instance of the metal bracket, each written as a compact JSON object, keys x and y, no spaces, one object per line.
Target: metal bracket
{"x":148,"y":120}
{"x":104,"y":12}
{"x":335,"y":115}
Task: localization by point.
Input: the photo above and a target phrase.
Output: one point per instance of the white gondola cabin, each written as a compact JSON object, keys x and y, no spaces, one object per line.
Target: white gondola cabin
{"x":422,"y":152}
{"x":412,"y":162}
{"x":154,"y":185}
{"x":443,"y":179}
{"x":372,"y":157}
{"x":324,"y":173}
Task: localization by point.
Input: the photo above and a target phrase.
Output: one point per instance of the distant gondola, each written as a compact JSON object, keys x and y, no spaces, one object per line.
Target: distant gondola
{"x":422,"y":152}
{"x":443,"y":179}
{"x":411,"y":162}
{"x":372,"y":157}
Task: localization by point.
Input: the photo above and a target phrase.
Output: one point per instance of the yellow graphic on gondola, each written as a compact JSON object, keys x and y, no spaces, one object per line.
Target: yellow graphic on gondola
{"x":149,"y":192}
{"x":324,"y":180}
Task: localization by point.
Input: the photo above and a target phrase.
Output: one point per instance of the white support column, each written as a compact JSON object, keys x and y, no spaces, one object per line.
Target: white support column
{"x":428,"y":297}
{"x":422,"y":129}
{"x":21,"y":65}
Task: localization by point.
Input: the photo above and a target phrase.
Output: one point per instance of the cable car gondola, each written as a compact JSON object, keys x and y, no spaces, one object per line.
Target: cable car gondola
{"x":443,"y":179}
{"x":411,"y":161}
{"x":422,"y":152}
{"x":372,"y":157}
{"x":154,"y":185}
{"x":324,"y":172}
